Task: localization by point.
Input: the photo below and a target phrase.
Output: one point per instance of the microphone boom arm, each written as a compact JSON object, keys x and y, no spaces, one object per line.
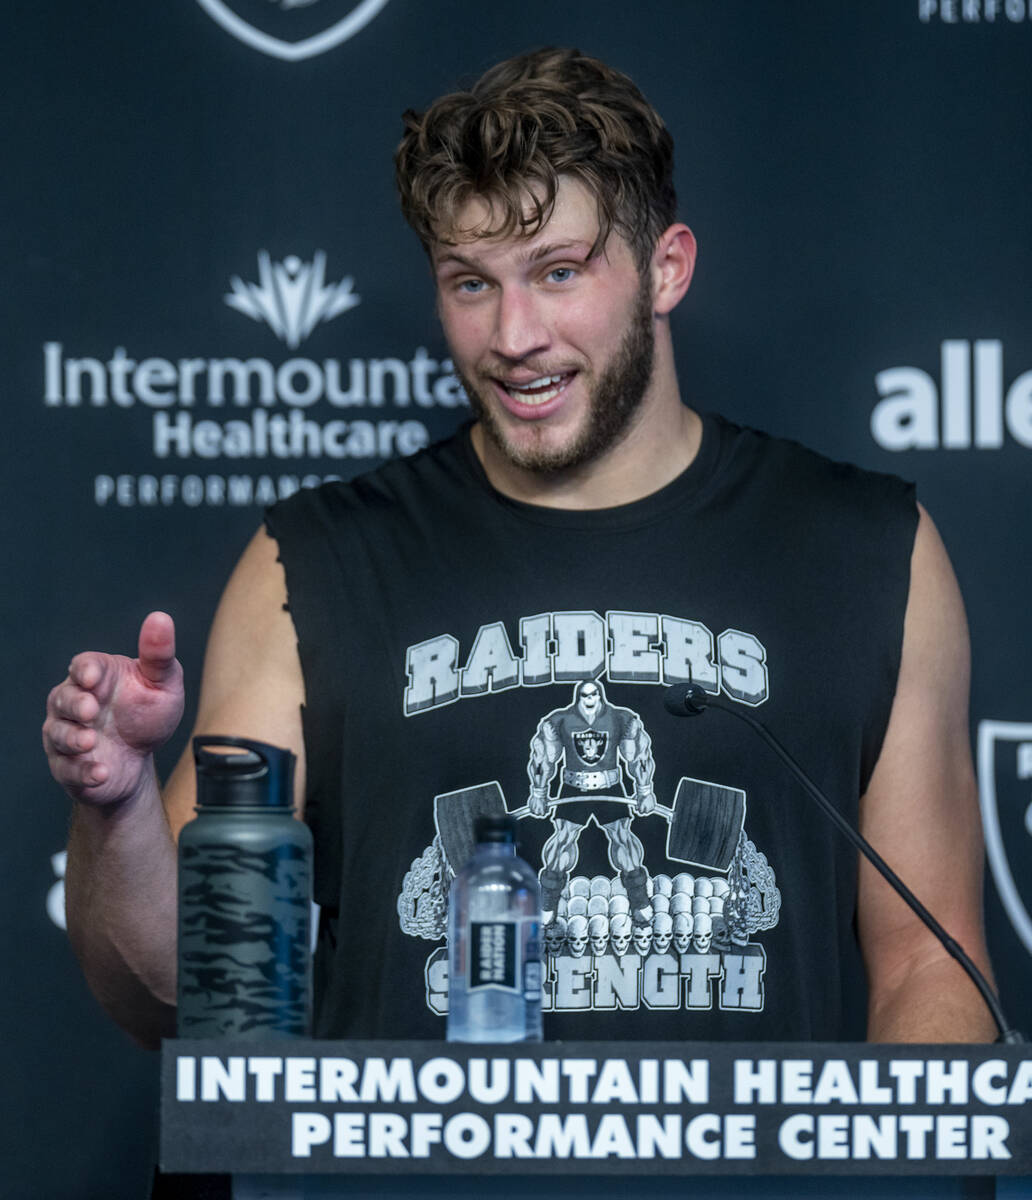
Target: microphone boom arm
{"x":689,"y":700}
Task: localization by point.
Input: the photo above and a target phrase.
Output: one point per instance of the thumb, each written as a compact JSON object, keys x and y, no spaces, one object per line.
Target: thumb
{"x":157,"y":648}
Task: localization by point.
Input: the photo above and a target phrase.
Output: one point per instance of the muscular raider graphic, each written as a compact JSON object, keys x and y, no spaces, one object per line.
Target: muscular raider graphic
{"x":590,"y":739}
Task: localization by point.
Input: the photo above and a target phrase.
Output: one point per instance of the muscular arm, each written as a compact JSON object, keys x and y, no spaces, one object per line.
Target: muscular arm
{"x":121,"y":874}
{"x":251,"y":685}
{"x":545,"y":751}
{"x":921,"y":814}
{"x":636,"y":749}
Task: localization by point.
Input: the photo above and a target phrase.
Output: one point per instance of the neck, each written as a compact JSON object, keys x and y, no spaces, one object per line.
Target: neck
{"x":659,"y":445}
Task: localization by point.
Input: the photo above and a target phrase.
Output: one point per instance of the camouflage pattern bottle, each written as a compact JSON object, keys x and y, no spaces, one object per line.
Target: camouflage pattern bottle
{"x":245,"y":872}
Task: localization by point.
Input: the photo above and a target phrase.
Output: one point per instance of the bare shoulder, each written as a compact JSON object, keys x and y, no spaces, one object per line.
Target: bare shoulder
{"x":934,"y":610}
{"x":252,"y":684}
{"x":920,"y":810}
{"x":252,"y":633}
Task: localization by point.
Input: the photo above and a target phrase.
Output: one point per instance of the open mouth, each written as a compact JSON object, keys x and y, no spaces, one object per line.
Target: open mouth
{"x":538,"y":391}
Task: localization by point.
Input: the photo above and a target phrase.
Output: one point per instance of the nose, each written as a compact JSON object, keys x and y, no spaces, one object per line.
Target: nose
{"x":520,"y":329}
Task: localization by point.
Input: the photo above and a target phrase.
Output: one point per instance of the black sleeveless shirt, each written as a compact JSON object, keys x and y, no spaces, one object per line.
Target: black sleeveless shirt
{"x":442,"y":627}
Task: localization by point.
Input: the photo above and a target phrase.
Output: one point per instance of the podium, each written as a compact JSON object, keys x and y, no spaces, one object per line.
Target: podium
{"x":293,"y":1118}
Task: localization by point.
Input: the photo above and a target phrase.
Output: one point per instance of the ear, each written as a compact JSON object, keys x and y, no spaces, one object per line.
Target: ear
{"x":672,"y":265}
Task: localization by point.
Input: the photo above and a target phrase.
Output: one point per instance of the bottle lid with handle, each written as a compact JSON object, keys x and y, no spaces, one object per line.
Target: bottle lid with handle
{"x":243,"y":773}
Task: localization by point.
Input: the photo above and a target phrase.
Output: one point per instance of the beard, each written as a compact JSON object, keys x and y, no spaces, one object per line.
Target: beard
{"x":613,"y":402}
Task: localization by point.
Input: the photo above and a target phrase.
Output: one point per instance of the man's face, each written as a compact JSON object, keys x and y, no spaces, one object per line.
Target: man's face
{"x":554,"y":348}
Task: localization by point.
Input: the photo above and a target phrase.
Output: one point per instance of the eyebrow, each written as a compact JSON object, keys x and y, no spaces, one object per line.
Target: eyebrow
{"x":546,"y":250}
{"x":550,"y":248}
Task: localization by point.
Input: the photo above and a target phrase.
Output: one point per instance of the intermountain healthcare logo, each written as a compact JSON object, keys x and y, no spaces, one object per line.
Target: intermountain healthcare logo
{"x":1005,"y":793}
{"x":255,"y":408}
{"x":291,"y":297}
{"x":292,"y":29}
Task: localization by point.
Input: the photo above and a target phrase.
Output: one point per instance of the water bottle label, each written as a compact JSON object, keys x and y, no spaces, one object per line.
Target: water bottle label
{"x":494,"y":955}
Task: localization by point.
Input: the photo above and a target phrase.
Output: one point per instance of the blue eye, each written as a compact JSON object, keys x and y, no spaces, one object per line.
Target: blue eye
{"x":472,"y":287}
{"x":560,"y":274}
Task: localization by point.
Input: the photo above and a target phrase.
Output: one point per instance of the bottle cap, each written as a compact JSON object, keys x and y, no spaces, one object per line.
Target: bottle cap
{"x":494,"y":830}
{"x":243,"y":773}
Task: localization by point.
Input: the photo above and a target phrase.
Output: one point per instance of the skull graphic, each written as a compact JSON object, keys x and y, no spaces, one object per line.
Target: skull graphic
{"x":721,"y":934}
{"x":662,"y":932}
{"x":682,"y":932}
{"x":703,"y":932}
{"x":577,"y":935}
{"x":598,"y":933}
{"x":642,"y":939}
{"x":620,"y":933}
{"x":555,"y":935}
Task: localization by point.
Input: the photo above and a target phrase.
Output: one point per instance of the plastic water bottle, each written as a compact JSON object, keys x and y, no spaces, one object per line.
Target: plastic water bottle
{"x":494,"y":942}
{"x":245,"y":888}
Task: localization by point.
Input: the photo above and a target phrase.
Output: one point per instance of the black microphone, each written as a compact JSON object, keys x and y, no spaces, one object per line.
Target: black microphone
{"x":689,"y":700}
{"x":685,"y":700}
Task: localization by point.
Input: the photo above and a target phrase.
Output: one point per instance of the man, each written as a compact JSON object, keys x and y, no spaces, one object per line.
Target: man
{"x":590,"y":738}
{"x":394,"y":632}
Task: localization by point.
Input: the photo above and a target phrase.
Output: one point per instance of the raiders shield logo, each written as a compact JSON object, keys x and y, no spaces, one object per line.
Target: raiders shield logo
{"x":1005,"y":793}
{"x":292,"y":29}
{"x":590,"y":745}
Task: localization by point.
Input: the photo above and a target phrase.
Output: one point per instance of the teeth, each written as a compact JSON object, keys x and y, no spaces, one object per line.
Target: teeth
{"x":538,"y":391}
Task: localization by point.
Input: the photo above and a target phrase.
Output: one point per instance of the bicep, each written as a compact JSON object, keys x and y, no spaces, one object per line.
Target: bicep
{"x":920,"y":811}
{"x":251,"y":685}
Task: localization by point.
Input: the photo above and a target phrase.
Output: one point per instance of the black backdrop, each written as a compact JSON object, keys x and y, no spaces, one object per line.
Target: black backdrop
{"x":858,"y":176}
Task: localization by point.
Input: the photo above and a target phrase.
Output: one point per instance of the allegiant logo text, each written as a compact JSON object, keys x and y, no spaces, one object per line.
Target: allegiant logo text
{"x":968,"y":407}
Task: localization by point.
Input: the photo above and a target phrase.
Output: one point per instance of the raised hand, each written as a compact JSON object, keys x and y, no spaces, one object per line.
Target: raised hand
{"x":111,"y":712}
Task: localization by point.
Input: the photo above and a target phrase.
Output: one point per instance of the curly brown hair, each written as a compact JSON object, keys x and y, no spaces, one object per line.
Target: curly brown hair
{"x":525,"y":123}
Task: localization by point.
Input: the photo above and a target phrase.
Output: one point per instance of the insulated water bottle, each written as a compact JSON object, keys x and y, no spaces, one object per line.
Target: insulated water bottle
{"x":244,"y":897}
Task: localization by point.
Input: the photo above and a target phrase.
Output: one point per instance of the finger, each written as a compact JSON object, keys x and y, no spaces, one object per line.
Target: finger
{"x":66,"y":738}
{"x":93,"y":773}
{"x":89,"y":669}
{"x":69,"y":702}
{"x":157,"y":648}
{"x":79,"y":774}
